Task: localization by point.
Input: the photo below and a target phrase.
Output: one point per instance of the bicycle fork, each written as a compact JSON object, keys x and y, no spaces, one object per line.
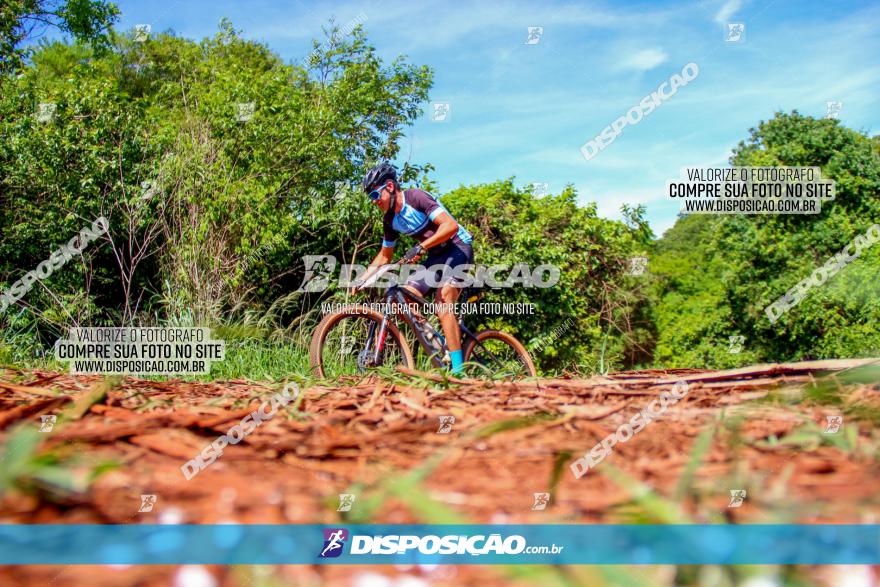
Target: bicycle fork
{"x":380,"y":340}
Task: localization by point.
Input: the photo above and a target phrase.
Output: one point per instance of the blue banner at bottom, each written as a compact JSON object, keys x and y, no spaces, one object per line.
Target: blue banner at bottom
{"x":439,"y":544}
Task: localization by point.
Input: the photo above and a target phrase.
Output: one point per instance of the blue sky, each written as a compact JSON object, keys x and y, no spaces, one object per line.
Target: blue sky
{"x":524,"y":110}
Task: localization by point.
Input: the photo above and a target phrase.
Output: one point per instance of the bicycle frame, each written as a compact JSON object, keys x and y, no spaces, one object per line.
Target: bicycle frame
{"x":403,"y":298}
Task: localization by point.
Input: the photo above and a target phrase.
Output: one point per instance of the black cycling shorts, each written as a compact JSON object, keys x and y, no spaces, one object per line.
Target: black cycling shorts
{"x":436,"y":268}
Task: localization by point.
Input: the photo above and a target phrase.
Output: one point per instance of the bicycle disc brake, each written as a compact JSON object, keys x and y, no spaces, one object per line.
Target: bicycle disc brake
{"x":365,"y":360}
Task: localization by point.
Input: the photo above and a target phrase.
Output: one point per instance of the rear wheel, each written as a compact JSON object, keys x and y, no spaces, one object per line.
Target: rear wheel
{"x":498,"y":354}
{"x":344,"y":343}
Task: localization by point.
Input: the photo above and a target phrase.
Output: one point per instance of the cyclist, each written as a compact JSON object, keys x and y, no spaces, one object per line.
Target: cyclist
{"x":416,"y":213}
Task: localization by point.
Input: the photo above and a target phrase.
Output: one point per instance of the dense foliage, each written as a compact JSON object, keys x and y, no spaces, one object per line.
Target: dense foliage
{"x":203,"y":156}
{"x":716,"y":274}
{"x":595,"y":302}
{"x":25,"y":20}
{"x":219,"y":167}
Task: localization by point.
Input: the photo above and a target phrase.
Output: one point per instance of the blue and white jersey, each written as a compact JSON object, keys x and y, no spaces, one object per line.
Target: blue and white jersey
{"x":416,"y":219}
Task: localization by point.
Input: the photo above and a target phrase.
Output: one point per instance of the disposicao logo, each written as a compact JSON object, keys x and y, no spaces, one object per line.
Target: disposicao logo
{"x":334,"y":541}
{"x":335,"y":538}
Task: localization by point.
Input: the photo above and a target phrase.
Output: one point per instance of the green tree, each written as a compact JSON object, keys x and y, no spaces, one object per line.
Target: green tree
{"x":216,"y":163}
{"x":27,"y":20}
{"x":594,"y":306}
{"x":717,"y":274}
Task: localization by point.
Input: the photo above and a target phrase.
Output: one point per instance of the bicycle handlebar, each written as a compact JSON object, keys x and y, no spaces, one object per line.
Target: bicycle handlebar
{"x":382,"y":271}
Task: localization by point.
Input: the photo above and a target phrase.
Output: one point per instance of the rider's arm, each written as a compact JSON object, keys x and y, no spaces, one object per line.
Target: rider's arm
{"x":446,"y":224}
{"x":446,"y":229}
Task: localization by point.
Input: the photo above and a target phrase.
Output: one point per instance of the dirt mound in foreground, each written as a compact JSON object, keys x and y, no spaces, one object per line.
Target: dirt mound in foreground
{"x":392,"y":445}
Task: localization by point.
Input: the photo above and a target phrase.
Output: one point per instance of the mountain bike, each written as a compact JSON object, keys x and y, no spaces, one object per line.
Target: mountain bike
{"x":360,"y":337}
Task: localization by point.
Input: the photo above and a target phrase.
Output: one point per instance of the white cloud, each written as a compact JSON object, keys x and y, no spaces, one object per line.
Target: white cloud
{"x":608,"y":203}
{"x":450,"y":26}
{"x":645,"y":59}
{"x":727,"y":10}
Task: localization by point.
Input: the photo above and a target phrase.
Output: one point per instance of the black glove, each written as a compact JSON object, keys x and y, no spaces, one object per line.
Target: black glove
{"x":414,"y":253}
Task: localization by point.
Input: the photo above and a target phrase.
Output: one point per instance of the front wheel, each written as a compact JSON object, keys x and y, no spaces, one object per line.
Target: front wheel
{"x":497,"y":353}
{"x":344,"y":343}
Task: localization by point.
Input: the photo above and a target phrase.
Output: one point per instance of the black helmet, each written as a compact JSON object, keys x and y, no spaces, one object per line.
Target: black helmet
{"x":378,"y":174}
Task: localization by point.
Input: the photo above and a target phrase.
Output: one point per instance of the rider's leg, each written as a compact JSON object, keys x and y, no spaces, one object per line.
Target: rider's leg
{"x":437,"y":274}
{"x":445,"y":298}
{"x":413,"y":306}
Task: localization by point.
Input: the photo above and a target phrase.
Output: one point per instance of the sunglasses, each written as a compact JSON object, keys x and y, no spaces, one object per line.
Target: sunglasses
{"x":376,"y":193}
